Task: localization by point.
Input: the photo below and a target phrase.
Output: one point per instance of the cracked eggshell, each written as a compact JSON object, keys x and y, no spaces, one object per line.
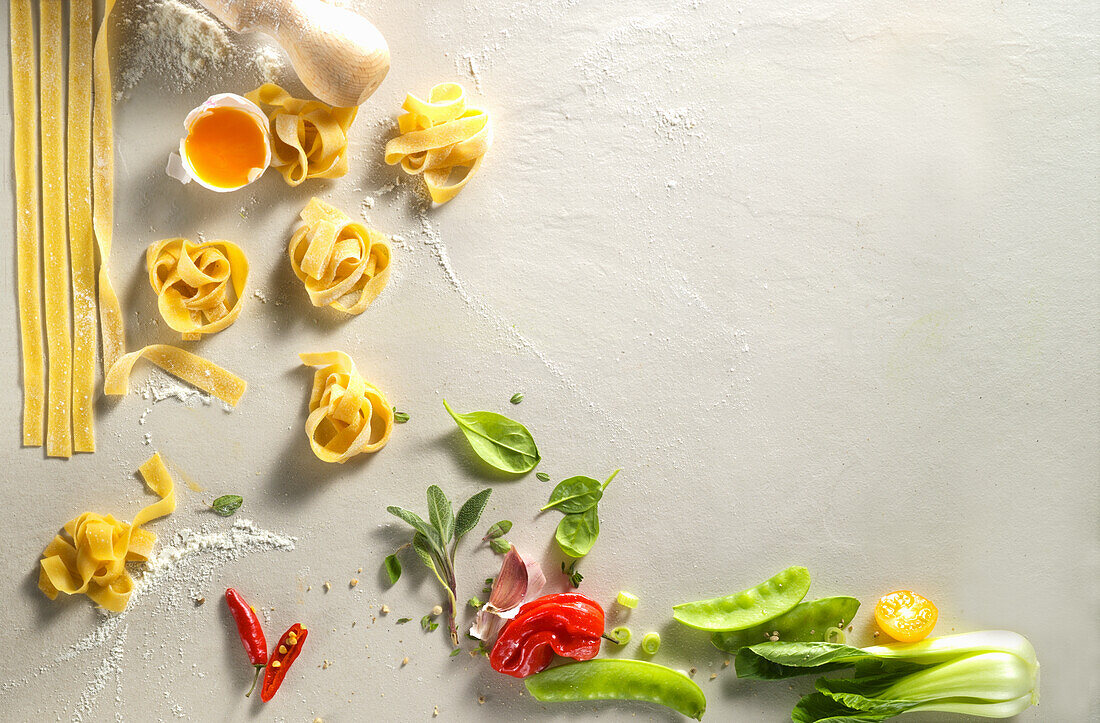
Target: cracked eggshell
{"x":180,"y":168}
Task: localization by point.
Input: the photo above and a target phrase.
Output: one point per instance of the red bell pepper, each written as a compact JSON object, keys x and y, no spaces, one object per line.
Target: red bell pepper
{"x":567,"y":623}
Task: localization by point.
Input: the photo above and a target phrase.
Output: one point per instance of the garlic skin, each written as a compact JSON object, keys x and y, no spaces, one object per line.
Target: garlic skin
{"x":520,"y":579}
{"x":179,"y":166}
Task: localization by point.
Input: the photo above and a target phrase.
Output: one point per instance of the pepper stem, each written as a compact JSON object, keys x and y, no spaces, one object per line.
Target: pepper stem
{"x":255,"y":678}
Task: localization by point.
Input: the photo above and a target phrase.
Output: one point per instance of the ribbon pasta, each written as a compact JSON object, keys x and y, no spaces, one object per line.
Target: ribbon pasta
{"x":438,"y":137}
{"x":347,"y":414}
{"x":191,"y":368}
{"x":199,"y":286}
{"x":337,"y":258}
{"x":90,"y":556}
{"x":309,"y":139}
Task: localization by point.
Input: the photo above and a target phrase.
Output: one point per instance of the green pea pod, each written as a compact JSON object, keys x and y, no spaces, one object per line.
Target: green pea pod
{"x":607,"y":679}
{"x":747,"y":608}
{"x":804,"y":623}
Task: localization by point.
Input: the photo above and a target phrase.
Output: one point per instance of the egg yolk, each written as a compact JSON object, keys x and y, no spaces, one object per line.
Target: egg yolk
{"x":223,"y":145}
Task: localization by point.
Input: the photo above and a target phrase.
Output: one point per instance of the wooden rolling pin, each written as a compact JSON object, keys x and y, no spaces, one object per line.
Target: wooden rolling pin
{"x":339,"y":56}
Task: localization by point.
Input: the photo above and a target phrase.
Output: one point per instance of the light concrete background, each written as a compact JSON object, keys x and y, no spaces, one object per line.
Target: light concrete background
{"x":822,"y":278}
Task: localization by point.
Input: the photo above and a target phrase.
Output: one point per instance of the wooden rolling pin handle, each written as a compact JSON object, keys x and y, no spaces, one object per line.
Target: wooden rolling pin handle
{"x":338,"y":54}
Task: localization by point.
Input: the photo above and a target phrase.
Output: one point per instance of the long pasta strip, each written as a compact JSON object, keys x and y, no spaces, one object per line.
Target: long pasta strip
{"x":81,"y":241}
{"x":189,"y":367}
{"x":24,"y":65}
{"x":103,"y":193}
{"x":55,"y":232}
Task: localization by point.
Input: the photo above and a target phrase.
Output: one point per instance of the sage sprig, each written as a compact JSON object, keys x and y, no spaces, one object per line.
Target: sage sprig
{"x":500,"y":442}
{"x":437,"y":538}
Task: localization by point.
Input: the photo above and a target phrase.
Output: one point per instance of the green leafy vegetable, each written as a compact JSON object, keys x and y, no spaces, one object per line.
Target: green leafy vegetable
{"x":402,"y":621}
{"x":227,"y":504}
{"x":499,"y":441}
{"x":993,"y":674}
{"x":400,"y":417}
{"x":499,"y":545}
{"x":577,"y":533}
{"x":393,"y":568}
{"x":428,"y":624}
{"x":542,"y":477}
{"x":571,"y":572}
{"x":499,"y":529}
{"x":516,"y":398}
{"x":435,"y":540}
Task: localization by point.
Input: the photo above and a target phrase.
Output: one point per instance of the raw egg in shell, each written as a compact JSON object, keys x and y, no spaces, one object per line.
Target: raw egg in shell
{"x":227,"y":145}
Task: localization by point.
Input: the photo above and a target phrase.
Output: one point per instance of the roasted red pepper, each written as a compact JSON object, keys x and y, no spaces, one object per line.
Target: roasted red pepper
{"x":285,"y":653}
{"x":567,"y":623}
{"x":252,"y":635}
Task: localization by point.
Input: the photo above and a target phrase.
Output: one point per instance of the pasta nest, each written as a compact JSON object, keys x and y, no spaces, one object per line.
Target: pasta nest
{"x":309,"y":139}
{"x":347,"y":414}
{"x":90,"y":556}
{"x":440,"y":137}
{"x":199,"y":287}
{"x":338,"y":259}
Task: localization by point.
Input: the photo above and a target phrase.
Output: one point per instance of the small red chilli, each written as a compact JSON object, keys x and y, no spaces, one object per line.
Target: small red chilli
{"x":252,"y":635}
{"x":285,"y":653}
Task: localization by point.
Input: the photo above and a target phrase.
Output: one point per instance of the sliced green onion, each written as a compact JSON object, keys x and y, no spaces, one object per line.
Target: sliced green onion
{"x":627,"y":600}
{"x":835,"y":635}
{"x":621,"y":635}
{"x":651,"y":643}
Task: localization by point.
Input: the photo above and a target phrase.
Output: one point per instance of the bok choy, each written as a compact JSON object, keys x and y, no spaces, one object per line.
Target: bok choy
{"x":993,"y":674}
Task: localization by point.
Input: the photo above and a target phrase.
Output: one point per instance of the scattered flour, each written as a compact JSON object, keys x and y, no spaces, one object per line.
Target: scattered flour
{"x":159,"y":387}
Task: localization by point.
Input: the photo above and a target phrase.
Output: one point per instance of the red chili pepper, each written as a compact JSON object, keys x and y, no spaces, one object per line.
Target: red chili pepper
{"x":285,"y":653}
{"x":567,"y":623}
{"x":252,"y":635}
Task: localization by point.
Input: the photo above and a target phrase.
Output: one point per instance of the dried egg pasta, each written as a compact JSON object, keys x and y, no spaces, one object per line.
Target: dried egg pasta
{"x":347,"y":414}
{"x":439,"y":138}
{"x":338,"y":260}
{"x":199,"y":287}
{"x":90,"y":556}
{"x":309,"y":139}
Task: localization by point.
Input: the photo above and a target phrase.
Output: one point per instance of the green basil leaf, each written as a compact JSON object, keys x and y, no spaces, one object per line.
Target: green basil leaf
{"x":500,"y":442}
{"x":227,"y":504}
{"x":499,"y":529}
{"x":470,"y":513}
{"x":575,"y":495}
{"x":500,"y":545}
{"x":440,"y":513}
{"x":400,"y":417}
{"x":577,"y":533}
{"x":542,"y":477}
{"x":393,"y":568}
{"x":516,"y":398}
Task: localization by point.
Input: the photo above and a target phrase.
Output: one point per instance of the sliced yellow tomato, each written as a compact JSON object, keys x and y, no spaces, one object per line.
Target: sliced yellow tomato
{"x":906,"y":616}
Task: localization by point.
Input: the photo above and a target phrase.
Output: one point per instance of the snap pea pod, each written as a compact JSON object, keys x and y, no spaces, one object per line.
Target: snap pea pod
{"x":747,"y":608}
{"x":607,"y":679}
{"x":804,"y":623}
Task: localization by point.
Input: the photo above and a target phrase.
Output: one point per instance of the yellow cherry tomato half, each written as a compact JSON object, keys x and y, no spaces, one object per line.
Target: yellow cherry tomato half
{"x":906,"y":616}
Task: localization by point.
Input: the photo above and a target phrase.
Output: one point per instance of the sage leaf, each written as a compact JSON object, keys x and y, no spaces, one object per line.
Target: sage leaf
{"x":440,"y":513}
{"x":575,"y":495}
{"x":500,"y":545}
{"x":577,"y":532}
{"x":393,"y":568}
{"x":542,"y":477}
{"x":516,"y":398}
{"x":227,"y":504}
{"x":402,"y":621}
{"x":424,"y":550}
{"x":470,"y":513}
{"x":455,"y":652}
{"x":417,"y":523}
{"x":400,"y":417}
{"x":500,"y":442}
{"x":499,"y":529}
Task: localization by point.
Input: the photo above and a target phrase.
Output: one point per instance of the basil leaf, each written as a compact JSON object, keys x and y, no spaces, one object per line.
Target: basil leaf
{"x":499,"y":529}
{"x":227,"y":504}
{"x":542,"y":477}
{"x":577,"y":533}
{"x":575,"y":495}
{"x":516,"y":398}
{"x":500,"y":442}
{"x":440,"y":513}
{"x":500,"y":545}
{"x":417,"y":523}
{"x":400,"y":417}
{"x":393,"y":568}
{"x":470,"y":513}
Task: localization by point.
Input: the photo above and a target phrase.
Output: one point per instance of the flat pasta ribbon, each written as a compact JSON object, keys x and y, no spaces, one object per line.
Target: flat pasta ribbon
{"x":347,"y":414}
{"x":337,"y":258}
{"x":309,"y":139}
{"x":440,"y":136}
{"x":191,"y":368}
{"x":90,"y":556}
{"x":199,"y":286}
